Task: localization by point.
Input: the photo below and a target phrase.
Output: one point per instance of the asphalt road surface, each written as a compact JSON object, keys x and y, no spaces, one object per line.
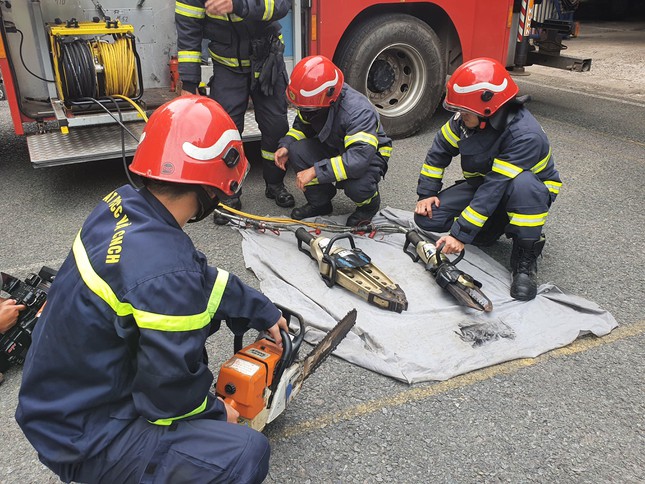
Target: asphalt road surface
{"x":575,"y":414}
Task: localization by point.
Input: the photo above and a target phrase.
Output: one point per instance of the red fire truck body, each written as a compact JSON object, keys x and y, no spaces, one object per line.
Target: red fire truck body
{"x":483,"y":27}
{"x":397,"y":52}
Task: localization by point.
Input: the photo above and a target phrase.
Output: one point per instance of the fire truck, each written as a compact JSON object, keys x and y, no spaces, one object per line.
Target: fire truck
{"x":397,"y":52}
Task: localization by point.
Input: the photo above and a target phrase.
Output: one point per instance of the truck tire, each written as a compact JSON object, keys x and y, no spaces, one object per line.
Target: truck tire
{"x":396,"y":61}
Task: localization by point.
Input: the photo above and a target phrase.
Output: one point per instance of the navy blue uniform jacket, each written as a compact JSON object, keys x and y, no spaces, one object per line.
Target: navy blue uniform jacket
{"x":122,"y":334}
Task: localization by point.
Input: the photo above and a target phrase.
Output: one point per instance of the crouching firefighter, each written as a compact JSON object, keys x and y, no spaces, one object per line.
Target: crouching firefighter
{"x":510,"y":179}
{"x":246,"y":46}
{"x":336,"y":142}
{"x":116,"y":386}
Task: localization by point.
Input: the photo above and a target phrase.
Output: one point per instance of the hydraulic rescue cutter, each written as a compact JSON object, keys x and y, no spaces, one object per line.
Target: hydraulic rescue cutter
{"x":260,"y":380}
{"x":352,"y":269}
{"x":466,"y":290}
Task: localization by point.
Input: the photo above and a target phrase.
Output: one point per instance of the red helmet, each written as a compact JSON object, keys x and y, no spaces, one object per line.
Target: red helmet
{"x":315,"y":83}
{"x":191,"y":139}
{"x":480,"y":86}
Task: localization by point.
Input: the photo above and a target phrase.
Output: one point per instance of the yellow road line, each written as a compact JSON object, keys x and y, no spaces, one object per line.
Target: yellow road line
{"x":416,"y":394}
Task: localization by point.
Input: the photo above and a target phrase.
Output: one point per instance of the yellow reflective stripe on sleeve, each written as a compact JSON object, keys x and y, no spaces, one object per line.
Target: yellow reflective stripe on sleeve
{"x":365,"y":202}
{"x":267,"y":155}
{"x":553,"y":186}
{"x":189,"y":10}
{"x":189,"y":56}
{"x":168,"y":421}
{"x":474,"y":217}
{"x":229,"y":61}
{"x":451,"y":137}
{"x":525,"y":220}
{"x":294,"y":133}
{"x":231,"y":17}
{"x":313,"y":182}
{"x":505,"y":168}
{"x":385,"y":151}
{"x":302,"y":119}
{"x":363,"y":137}
{"x":339,"y":168}
{"x":145,"y":319}
{"x":541,"y":165}
{"x":269,"y":7}
{"x":472,"y":174}
{"x":432,"y":171}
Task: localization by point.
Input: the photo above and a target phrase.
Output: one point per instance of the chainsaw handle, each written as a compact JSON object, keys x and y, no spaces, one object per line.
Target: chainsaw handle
{"x":287,"y":352}
{"x":300,"y":335}
{"x":231,"y":403}
{"x":289,"y":348}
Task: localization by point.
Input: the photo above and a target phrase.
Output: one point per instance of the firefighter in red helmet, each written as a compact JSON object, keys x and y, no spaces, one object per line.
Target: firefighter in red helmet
{"x":116,"y":386}
{"x":336,"y":141}
{"x":510,"y":179}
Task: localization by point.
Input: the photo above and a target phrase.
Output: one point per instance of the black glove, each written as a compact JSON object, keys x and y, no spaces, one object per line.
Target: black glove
{"x":259,"y":54}
{"x":267,"y":75}
{"x":272,"y":66}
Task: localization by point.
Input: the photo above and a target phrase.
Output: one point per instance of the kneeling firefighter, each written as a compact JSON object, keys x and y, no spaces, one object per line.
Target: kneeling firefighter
{"x":510,"y":179}
{"x":336,"y":142}
{"x":116,"y":386}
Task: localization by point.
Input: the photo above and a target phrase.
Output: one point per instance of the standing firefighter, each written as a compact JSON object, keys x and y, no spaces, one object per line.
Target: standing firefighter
{"x":336,"y":141}
{"x":247,"y":51}
{"x":510,"y":176}
{"x":116,"y":386}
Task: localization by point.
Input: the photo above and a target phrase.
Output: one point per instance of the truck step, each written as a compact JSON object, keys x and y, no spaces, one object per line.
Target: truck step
{"x":96,"y":143}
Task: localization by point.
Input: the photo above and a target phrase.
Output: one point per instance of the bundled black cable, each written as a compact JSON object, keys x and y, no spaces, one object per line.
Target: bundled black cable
{"x":77,"y":69}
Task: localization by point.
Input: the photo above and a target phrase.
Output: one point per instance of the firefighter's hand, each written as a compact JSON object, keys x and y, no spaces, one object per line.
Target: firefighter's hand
{"x":274,"y":331}
{"x":453,"y":246}
{"x":305,"y":176}
{"x":424,"y":207}
{"x":280,"y":158}
{"x":219,"y":7}
{"x":9,"y":313}
{"x":231,"y":414}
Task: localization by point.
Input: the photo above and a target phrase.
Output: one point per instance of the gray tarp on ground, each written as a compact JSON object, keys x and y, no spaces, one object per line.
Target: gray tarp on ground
{"x":433,"y":339}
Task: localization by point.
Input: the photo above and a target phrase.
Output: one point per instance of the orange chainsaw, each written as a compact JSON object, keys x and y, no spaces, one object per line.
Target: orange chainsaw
{"x":260,"y":380}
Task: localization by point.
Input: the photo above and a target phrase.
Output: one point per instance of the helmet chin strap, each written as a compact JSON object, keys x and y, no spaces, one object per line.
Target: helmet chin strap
{"x":482,"y":122}
{"x":205,"y":202}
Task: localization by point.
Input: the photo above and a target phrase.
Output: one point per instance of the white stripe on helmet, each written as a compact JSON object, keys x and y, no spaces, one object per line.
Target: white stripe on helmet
{"x":320,"y":88}
{"x":214,"y":151}
{"x":481,"y":85}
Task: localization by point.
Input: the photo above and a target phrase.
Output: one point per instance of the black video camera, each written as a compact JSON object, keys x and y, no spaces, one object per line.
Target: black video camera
{"x":32,"y":292}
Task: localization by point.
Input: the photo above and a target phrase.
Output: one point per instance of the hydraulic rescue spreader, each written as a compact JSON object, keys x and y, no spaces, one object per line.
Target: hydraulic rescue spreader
{"x":352,"y":269}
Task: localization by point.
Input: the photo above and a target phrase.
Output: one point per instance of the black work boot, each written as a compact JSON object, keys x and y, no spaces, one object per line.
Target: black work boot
{"x":280,"y":193}
{"x":524,"y":266}
{"x":363,"y":214}
{"x":308,"y":210}
{"x":235,"y":203}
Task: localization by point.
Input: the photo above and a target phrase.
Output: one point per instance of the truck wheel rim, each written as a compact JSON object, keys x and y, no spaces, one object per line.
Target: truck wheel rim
{"x":396,"y":79}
